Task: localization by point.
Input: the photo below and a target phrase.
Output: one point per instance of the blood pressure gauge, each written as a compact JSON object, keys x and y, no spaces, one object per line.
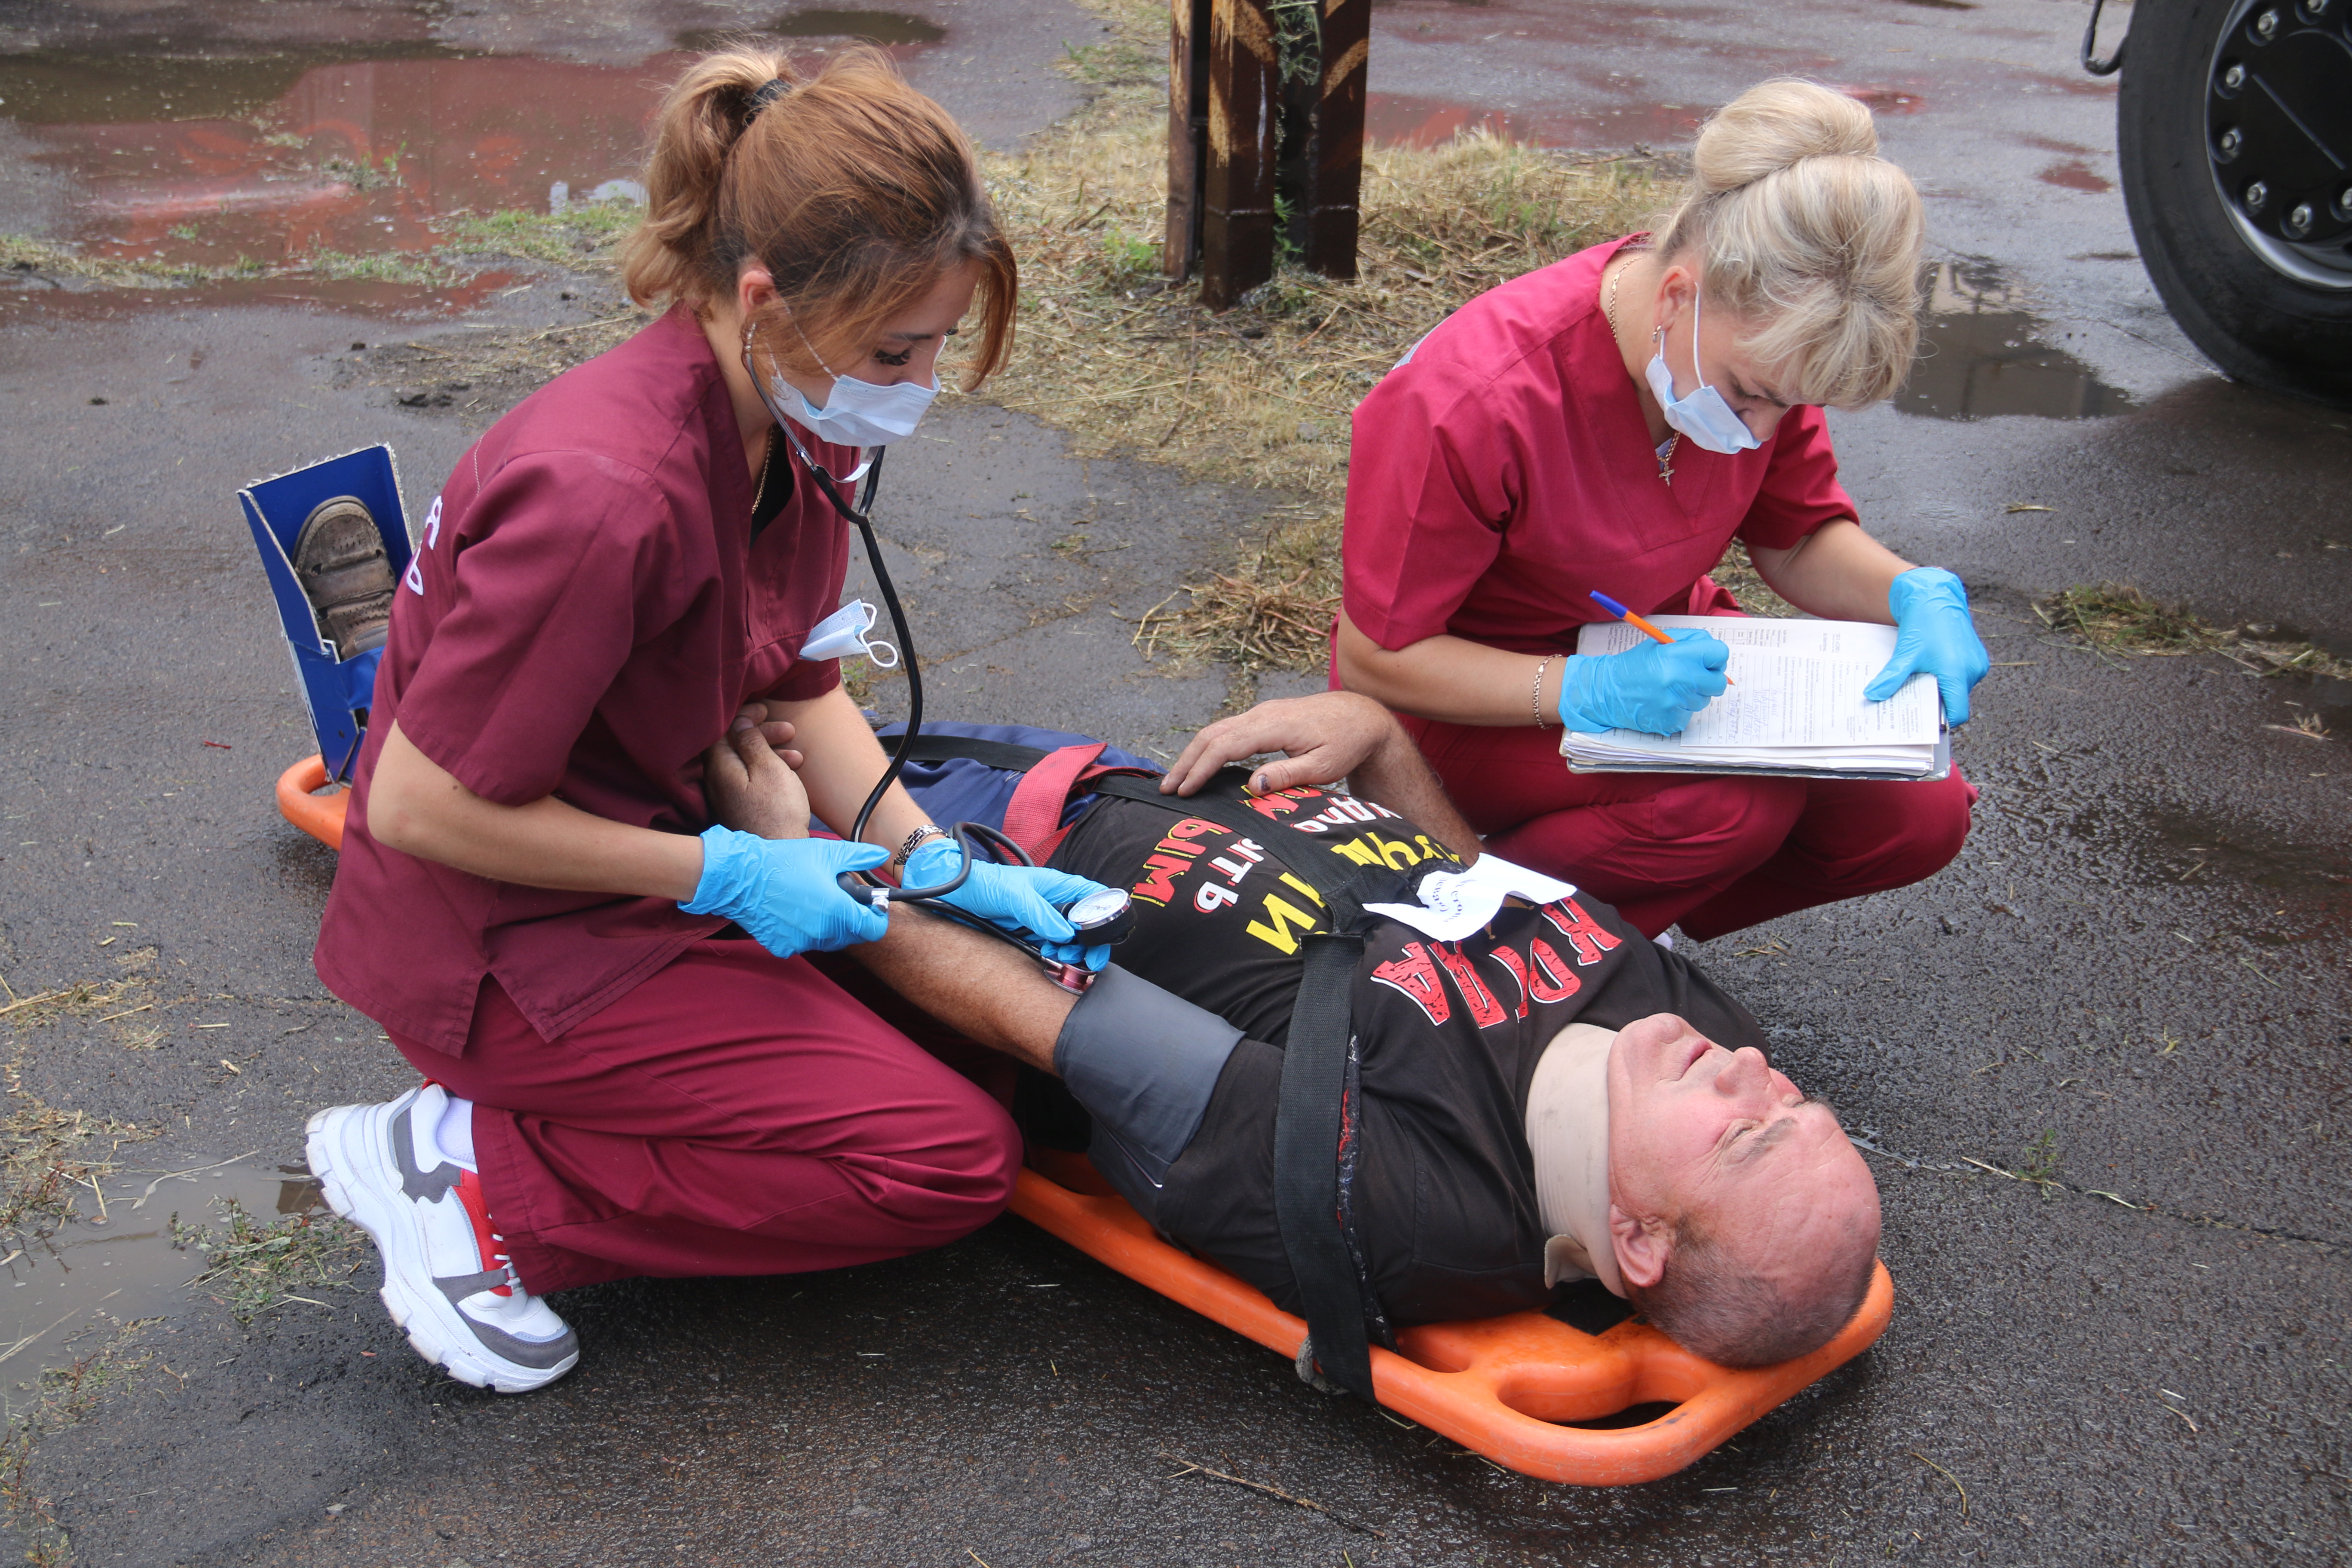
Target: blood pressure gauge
{"x":1105,"y":915}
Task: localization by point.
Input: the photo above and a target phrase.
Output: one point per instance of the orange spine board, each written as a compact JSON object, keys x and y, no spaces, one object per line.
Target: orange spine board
{"x":1498,"y":1386}
{"x":320,"y":815}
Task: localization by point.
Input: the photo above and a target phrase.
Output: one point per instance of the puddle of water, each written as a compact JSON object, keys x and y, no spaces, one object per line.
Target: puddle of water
{"x":884,"y":27}
{"x":1406,"y":119}
{"x":1982,"y":355}
{"x":1411,"y":120}
{"x":2075,"y":174}
{"x":351,"y":295}
{"x":55,"y":1291}
{"x":268,"y":154}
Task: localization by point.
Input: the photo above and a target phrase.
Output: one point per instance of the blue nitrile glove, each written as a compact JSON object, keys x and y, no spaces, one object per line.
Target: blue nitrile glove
{"x":1652,"y":687}
{"x":782,"y":891}
{"x":1017,"y":898}
{"x":1934,"y":632}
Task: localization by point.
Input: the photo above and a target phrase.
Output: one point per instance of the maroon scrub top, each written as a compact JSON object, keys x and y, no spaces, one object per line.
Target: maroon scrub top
{"x":586,"y":611}
{"x":1502,"y":472}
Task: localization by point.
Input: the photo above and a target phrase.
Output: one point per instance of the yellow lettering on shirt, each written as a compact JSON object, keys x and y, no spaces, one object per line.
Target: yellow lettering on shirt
{"x":1283,"y":914}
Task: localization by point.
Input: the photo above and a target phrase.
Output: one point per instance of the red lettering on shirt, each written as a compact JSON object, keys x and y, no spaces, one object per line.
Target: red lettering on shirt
{"x":1582,"y":932}
{"x":1416,"y":976}
{"x":1159,"y":874}
{"x":1511,"y":960}
{"x":1484,"y":1011}
{"x":1550,"y":979}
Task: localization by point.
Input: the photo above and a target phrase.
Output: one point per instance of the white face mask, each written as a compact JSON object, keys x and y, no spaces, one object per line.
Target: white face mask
{"x":855,"y":413}
{"x":842,"y":634}
{"x":1703,"y":416}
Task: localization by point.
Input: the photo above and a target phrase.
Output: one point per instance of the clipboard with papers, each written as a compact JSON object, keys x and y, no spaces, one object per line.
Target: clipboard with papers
{"x":1795,"y":709}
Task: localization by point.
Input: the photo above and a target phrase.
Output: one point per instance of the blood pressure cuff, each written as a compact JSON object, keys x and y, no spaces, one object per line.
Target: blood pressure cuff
{"x":1143,"y":1062}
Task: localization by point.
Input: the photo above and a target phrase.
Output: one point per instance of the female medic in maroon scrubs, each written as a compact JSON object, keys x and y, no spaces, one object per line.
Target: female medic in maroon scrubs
{"x":623,"y":569}
{"x":1613,"y":422}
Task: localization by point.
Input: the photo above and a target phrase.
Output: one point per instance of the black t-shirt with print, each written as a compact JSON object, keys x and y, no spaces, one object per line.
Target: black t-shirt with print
{"x":1448,"y":1034}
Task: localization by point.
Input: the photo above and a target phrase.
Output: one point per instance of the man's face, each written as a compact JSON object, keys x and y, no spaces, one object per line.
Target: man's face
{"x":1698,"y":1130}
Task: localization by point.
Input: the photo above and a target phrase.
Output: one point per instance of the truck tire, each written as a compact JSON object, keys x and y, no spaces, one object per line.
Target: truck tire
{"x":2234,"y":137}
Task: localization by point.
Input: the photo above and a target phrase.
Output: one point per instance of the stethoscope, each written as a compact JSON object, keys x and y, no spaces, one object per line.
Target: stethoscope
{"x":1102,"y":917}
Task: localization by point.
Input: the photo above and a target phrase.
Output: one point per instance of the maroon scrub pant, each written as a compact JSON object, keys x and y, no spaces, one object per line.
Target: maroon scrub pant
{"x":736,"y":1113}
{"x":1712,"y":854}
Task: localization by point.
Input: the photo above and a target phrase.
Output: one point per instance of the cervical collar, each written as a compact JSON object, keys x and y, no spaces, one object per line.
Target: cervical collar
{"x":1567,"y":1132}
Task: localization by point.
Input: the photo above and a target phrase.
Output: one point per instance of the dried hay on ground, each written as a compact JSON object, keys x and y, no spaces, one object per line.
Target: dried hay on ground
{"x":2117,"y":618}
{"x":1261,"y":394}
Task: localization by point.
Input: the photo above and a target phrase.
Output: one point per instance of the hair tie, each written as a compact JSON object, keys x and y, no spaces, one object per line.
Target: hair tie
{"x":775,"y":88}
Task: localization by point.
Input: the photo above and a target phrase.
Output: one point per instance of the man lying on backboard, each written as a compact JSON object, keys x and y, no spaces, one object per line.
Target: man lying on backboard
{"x":1548,"y":1098}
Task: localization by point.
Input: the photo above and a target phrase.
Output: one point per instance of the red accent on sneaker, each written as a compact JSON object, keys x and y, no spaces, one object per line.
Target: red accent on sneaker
{"x":490,"y":1242}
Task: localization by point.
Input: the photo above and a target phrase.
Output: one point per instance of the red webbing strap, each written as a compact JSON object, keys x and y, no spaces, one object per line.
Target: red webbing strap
{"x":1035,"y":814}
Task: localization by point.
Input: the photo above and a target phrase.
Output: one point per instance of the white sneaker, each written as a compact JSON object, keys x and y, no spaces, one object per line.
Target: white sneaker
{"x":446,"y":1277}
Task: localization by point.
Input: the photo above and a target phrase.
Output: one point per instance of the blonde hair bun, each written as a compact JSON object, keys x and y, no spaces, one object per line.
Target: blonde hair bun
{"x":1777,"y":125}
{"x":1798,"y":224}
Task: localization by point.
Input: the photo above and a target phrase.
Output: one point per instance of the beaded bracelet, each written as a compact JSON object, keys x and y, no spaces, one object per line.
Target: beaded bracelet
{"x":1535,"y":692}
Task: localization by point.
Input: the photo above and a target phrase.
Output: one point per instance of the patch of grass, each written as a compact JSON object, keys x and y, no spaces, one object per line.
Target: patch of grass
{"x":2119,"y":619}
{"x":49,"y":1158}
{"x":26,"y":257}
{"x":257,"y":1266}
{"x":2040,"y":1165}
{"x":1262,"y":394}
{"x":381,"y":266}
{"x":63,"y":1395}
{"x":582,"y":236}
{"x":360,"y":174}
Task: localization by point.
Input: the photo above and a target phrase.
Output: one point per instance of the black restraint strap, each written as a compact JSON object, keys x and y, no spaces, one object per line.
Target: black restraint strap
{"x":1012,"y":758}
{"x":1307,"y":1131}
{"x":1310,"y":1109}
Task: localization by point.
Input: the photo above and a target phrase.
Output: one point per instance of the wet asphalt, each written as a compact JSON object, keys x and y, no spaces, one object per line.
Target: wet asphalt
{"x":2133,"y":983}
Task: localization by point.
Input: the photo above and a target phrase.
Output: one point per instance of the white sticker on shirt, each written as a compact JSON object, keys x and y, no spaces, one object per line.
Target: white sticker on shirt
{"x":1455,"y":903}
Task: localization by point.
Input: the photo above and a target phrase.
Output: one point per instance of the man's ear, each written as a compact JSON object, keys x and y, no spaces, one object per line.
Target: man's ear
{"x":1642,"y":1245}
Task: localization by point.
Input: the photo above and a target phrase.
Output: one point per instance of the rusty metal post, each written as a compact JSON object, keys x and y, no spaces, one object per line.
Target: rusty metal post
{"x":1323,"y":143}
{"x":1237,"y":186}
{"x":1188,"y":133}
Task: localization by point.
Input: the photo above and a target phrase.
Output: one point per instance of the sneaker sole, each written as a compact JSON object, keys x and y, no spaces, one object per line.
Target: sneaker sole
{"x":434,"y":1327}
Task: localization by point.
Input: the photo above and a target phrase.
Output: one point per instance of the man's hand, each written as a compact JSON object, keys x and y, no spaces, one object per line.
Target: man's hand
{"x":750,"y":784}
{"x":1326,"y":737}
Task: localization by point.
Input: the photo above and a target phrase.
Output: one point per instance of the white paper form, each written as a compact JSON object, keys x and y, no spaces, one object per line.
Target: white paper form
{"x":1796,"y":691}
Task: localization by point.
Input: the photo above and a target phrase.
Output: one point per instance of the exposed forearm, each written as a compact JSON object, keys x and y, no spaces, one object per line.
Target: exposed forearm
{"x":1837,"y":572}
{"x":415,"y":807}
{"x":842,"y":758}
{"x":1452,"y":679}
{"x":1398,"y":777}
{"x":975,"y":984}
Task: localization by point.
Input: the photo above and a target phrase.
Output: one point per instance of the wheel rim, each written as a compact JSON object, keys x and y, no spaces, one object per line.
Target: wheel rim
{"x":2278,"y":122}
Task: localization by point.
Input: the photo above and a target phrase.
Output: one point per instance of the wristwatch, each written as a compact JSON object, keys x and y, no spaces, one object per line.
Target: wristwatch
{"x":927,"y":831}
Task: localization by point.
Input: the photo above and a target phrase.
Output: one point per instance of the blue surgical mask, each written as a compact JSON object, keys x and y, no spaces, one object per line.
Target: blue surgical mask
{"x":1703,"y":416}
{"x":855,"y":413}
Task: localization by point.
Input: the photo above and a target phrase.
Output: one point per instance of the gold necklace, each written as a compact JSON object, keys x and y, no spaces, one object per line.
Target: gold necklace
{"x":1665,"y":454}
